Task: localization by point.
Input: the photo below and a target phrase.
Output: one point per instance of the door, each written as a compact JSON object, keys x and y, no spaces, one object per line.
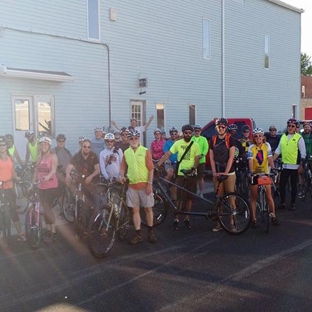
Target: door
{"x":138,"y":112}
{"x":23,"y":121}
{"x":308,"y":113}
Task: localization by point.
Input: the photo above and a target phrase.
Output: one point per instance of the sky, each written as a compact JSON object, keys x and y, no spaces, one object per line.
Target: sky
{"x":306,"y":24}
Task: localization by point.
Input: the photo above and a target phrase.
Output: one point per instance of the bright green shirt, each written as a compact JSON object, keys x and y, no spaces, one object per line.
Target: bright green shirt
{"x":189,"y":159}
{"x":203,"y":147}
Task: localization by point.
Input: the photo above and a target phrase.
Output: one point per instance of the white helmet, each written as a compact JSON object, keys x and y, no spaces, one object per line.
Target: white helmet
{"x":45,"y":140}
{"x":109,"y":136}
{"x":258,"y":131}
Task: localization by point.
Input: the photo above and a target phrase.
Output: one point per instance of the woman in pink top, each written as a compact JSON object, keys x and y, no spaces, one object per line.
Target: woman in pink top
{"x":45,"y":172}
{"x":157,"y":146}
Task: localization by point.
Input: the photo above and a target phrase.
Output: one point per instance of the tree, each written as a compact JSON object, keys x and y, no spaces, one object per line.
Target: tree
{"x":306,"y":65}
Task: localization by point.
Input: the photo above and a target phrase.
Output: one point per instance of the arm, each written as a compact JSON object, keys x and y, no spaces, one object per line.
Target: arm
{"x":113,"y":123}
{"x":68,"y":170}
{"x":96,"y":172}
{"x":123,"y":168}
{"x":213,"y":163}
{"x":27,"y":155}
{"x":230,"y":160}
{"x":102,"y":165}
{"x":149,"y":122}
{"x":277,"y":151}
{"x":150,"y":167}
{"x":205,"y":147}
{"x":164,"y":158}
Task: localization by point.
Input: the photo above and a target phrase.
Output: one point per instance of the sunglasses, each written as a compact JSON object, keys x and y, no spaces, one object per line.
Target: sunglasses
{"x":2,"y":144}
{"x":86,"y":146}
{"x":197,"y":130}
{"x":272,"y":129}
{"x":291,"y":126}
{"x":221,"y":127}
{"x":258,"y":136}
{"x":107,"y":141}
{"x":133,"y":139}
{"x":188,"y":132}
{"x":246,"y":131}
{"x":173,"y":133}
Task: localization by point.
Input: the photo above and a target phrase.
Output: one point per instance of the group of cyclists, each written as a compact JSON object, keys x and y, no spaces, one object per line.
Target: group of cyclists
{"x":120,"y":153}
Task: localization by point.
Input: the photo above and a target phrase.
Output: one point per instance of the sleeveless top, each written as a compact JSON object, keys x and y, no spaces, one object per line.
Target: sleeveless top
{"x":43,"y":169}
{"x":6,"y":167}
{"x":33,"y":151}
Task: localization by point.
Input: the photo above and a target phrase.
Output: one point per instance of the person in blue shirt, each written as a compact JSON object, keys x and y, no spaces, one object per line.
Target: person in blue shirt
{"x":170,"y":164}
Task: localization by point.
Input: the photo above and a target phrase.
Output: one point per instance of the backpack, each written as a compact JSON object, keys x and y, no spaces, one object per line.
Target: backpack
{"x":227,"y":140}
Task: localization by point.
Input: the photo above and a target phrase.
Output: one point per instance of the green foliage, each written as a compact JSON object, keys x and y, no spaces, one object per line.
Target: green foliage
{"x":306,"y":65}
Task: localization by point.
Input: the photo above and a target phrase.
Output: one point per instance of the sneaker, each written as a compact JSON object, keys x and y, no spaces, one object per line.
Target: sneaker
{"x":217,"y":228}
{"x":175,"y":225}
{"x":201,"y":195}
{"x":254,"y":224}
{"x":48,"y":237}
{"x":187,"y":224}
{"x":274,"y":221}
{"x":21,"y":237}
{"x":136,"y":239}
{"x":151,"y":237}
{"x":300,"y":195}
{"x":292,"y":207}
{"x":282,"y":206}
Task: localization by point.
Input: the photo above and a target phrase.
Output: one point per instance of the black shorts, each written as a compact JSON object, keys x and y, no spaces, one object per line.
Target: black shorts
{"x":189,"y":183}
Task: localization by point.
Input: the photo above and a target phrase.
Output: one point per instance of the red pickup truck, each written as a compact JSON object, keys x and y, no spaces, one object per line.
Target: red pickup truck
{"x":209,"y":130}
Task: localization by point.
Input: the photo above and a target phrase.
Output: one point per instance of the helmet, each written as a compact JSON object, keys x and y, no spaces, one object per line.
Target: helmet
{"x":45,"y":139}
{"x":197,"y":127}
{"x":98,"y":129}
{"x":132,"y":133}
{"x":258,"y":131}
{"x":221,"y":121}
{"x":157,"y":130}
{"x":9,"y":137}
{"x":28,"y":134}
{"x":292,"y":121}
{"x":163,"y":132}
{"x":245,"y":128}
{"x":85,"y":140}
{"x":272,"y":127}
{"x":117,"y":132}
{"x":2,"y":139}
{"x":232,"y":127}
{"x":173,"y":129}
{"x":81,"y":138}
{"x":61,"y":137}
{"x":123,"y":129}
{"x":187,"y":127}
{"x":109,"y":136}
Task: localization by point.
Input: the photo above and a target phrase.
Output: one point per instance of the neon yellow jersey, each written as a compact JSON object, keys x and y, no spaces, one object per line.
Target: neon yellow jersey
{"x":12,"y":150}
{"x":260,"y":156}
{"x":289,"y":148}
{"x":189,"y":159}
{"x":203,"y":147}
{"x":137,"y":171}
{"x":33,"y":151}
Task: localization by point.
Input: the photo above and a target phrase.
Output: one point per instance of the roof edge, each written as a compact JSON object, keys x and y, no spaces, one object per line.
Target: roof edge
{"x":287,"y":6}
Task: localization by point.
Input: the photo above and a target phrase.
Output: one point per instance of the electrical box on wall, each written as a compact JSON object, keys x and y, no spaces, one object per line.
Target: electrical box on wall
{"x":113,"y":14}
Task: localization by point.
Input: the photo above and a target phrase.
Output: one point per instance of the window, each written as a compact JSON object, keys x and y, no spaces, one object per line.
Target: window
{"x":192,"y":120}
{"x":206,"y":39}
{"x":45,"y":118}
{"x":93,"y":20}
{"x":22,"y":114}
{"x":137,"y":111}
{"x":160,"y":113}
{"x":267,"y":52}
{"x":294,"y":111}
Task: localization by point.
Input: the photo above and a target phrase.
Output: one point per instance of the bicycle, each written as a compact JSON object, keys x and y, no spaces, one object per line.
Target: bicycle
{"x":262,"y":181}
{"x":5,"y":218}
{"x":230,"y":209}
{"x":307,"y":180}
{"x":22,"y":200}
{"x":114,"y":216}
{"x":33,"y":218}
{"x":242,"y":185}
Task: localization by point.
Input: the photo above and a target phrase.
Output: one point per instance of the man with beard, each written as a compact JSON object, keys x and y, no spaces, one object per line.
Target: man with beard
{"x":186,"y":161}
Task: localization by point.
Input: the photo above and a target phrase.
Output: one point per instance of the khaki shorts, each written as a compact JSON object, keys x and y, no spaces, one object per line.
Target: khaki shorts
{"x":136,"y":199}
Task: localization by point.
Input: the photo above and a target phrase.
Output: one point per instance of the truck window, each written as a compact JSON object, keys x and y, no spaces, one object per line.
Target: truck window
{"x":209,"y":132}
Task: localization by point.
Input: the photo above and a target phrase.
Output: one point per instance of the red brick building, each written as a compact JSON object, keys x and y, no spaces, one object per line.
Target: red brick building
{"x":306,"y":98}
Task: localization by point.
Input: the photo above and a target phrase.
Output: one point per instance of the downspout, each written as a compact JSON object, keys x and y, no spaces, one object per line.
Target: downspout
{"x":29,"y":31}
{"x":222,"y":59}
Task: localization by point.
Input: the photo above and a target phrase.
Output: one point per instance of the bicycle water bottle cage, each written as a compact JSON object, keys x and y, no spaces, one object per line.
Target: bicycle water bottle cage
{"x":264,"y":180}
{"x":222,"y":178}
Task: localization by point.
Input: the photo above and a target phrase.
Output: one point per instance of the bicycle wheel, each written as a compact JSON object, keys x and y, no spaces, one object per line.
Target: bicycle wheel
{"x":160,"y":210}
{"x":22,"y":200}
{"x":68,"y":205}
{"x":264,"y":209}
{"x":78,"y":218}
{"x":101,"y":233}
{"x":33,"y":227}
{"x":233,"y":213}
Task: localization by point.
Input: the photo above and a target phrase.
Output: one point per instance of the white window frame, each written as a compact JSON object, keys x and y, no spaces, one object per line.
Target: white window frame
{"x":206,"y":39}
{"x":160,"y":107}
{"x":192,"y":114}
{"x":97,"y":15}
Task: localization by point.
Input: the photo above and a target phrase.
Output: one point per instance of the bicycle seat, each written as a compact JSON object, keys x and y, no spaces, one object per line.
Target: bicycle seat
{"x":222,"y":177}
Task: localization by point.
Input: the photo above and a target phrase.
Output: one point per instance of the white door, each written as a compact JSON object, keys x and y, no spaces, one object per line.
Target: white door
{"x":23,"y":120}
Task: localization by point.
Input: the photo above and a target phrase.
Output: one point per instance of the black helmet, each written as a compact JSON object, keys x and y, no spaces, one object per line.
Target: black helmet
{"x":61,"y":137}
{"x":187,"y":127}
{"x":232,"y":127}
{"x":245,"y":128}
{"x":221,"y":121}
{"x":9,"y":137}
{"x":197,"y":127}
{"x":132,"y":133}
{"x":292,"y":121}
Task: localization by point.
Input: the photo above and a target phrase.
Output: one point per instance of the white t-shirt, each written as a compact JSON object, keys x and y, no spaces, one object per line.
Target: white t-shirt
{"x":110,"y":160}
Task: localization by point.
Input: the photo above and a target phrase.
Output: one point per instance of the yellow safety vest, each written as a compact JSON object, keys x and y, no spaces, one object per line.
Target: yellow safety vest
{"x":289,"y":149}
